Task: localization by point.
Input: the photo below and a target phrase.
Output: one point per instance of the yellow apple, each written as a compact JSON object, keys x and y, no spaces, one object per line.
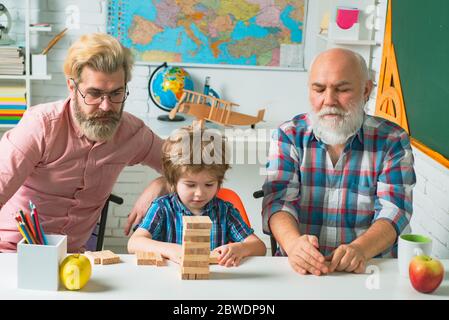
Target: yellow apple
{"x":75,"y":271}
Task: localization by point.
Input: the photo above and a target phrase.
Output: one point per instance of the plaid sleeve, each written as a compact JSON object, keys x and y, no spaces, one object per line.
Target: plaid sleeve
{"x":395,"y":184}
{"x":282,"y":185}
{"x":237,"y":229}
{"x":153,"y":220}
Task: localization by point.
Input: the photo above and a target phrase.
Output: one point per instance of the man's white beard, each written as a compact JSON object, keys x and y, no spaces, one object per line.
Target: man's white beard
{"x":94,"y":129}
{"x":340,"y":129}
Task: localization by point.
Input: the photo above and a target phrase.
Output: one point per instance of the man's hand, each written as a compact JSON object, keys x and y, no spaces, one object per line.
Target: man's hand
{"x":347,"y":257}
{"x":156,"y":188}
{"x":304,"y":256}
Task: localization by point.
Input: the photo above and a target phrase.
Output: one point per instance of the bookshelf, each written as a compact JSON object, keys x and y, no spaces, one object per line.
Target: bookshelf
{"x":26,"y":79}
{"x":364,"y":42}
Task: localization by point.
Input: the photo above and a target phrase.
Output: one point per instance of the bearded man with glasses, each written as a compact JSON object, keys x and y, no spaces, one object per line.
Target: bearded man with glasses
{"x":65,"y":156}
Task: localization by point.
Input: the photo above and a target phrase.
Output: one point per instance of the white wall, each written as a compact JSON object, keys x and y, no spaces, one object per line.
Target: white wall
{"x":282,"y":93}
{"x":431,"y":202}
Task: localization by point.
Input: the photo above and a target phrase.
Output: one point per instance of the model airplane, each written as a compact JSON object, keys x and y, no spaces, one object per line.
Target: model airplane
{"x":206,"y":107}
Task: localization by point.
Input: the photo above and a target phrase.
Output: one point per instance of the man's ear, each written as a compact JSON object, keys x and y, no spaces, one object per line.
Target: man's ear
{"x":70,"y":85}
{"x":368,"y":88}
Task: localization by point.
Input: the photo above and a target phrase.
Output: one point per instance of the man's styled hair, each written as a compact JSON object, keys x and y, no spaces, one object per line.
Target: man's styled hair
{"x":98,"y":51}
{"x":191,"y":150}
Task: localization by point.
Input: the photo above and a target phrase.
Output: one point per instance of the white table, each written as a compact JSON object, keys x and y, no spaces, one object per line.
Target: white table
{"x":261,"y":278}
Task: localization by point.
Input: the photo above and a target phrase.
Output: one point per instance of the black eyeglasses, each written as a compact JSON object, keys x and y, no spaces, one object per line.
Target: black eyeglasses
{"x":96,"y":98}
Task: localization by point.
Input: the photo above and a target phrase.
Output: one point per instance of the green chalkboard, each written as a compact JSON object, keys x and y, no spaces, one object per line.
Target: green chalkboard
{"x":420,"y":34}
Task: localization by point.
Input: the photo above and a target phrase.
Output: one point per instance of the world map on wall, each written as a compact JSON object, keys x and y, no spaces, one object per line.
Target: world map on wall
{"x":260,"y":33}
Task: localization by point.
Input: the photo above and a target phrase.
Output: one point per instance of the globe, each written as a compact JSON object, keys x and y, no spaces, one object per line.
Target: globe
{"x":166,"y":86}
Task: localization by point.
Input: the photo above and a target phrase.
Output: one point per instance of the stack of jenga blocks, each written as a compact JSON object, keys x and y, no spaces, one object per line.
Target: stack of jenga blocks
{"x":195,"y":247}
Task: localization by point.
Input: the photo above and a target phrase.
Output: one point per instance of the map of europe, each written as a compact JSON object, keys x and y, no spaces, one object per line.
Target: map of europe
{"x":266,"y":33}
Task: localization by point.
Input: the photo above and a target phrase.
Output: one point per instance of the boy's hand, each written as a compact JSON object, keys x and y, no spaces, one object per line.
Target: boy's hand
{"x":175,"y":253}
{"x":230,"y":254}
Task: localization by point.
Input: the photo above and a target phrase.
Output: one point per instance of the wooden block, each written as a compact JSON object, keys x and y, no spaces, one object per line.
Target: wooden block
{"x":149,"y":258}
{"x":202,"y":276}
{"x":195,"y":245}
{"x":193,"y":270}
{"x":94,"y":259}
{"x":197,"y":232}
{"x":196,"y":251}
{"x":103,"y":257}
{"x":109,"y":257}
{"x":196,"y":222}
{"x":161,"y":263}
{"x":196,"y":257}
{"x":201,"y":264}
{"x":187,"y":276}
{"x":196,"y":238}
{"x":213,"y":257}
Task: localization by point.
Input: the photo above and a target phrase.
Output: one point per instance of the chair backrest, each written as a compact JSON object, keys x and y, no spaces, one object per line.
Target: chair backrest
{"x":95,"y":242}
{"x":232,"y":197}
{"x":274,"y":244}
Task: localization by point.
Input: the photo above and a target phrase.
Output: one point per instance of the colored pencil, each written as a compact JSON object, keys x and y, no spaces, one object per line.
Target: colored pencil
{"x":19,"y":227}
{"x":25,"y":232}
{"x":36,"y":227}
{"x":24,"y":222}
{"x":30,"y":226}
{"x":41,"y":230}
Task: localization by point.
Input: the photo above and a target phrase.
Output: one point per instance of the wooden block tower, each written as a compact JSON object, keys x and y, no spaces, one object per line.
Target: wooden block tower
{"x":195,"y":247}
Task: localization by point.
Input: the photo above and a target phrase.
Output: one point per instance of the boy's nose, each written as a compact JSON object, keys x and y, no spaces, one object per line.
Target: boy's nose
{"x":198,"y":191}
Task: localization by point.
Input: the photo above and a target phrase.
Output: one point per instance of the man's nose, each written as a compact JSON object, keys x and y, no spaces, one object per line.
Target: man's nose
{"x":105,"y":104}
{"x":330,"y":97}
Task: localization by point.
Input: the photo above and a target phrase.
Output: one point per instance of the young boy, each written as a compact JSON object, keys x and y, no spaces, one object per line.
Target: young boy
{"x":194,"y":164}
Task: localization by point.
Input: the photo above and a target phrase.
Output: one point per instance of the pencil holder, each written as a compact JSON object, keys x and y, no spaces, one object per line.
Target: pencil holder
{"x":38,"y":64}
{"x":38,"y":265}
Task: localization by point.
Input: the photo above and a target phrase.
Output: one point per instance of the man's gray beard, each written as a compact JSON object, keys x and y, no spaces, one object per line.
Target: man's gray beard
{"x":96,"y":130}
{"x":337,"y":131}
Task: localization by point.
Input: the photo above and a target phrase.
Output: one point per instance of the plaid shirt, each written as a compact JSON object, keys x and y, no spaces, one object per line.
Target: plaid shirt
{"x":372,"y":180}
{"x":164,"y":221}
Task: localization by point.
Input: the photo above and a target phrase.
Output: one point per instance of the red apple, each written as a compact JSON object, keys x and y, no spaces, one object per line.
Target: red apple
{"x":426,"y":274}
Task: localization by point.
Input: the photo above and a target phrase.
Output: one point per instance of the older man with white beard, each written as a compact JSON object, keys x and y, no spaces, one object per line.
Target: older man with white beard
{"x":66,"y":156}
{"x":338,"y":190}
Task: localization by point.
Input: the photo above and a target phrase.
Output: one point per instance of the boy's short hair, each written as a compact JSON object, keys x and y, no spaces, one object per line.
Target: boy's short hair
{"x":192,"y":150}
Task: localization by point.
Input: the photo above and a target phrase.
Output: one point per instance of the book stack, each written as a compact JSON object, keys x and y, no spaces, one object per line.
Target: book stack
{"x":12,"y":104}
{"x":12,"y":60}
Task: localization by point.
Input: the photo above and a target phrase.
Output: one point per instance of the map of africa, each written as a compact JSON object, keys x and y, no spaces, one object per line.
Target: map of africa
{"x":265,"y":33}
